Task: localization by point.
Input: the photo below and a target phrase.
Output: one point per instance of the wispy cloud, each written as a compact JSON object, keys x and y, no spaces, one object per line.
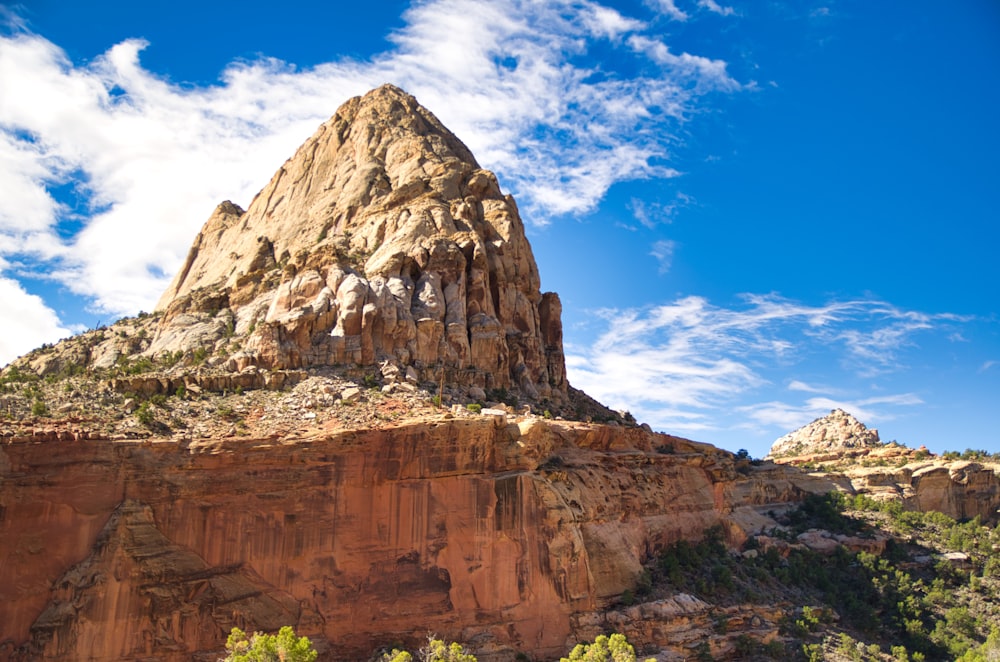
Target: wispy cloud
{"x":151,"y":158}
{"x":710,"y":74}
{"x":716,"y":8}
{"x":796,"y":385}
{"x":670,"y":9}
{"x":663,"y":251}
{"x":680,"y":364}
{"x":652,"y":214}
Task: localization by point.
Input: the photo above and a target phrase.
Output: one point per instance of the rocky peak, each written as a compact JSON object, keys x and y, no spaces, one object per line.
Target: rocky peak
{"x":381,"y":243}
{"x":837,"y":431}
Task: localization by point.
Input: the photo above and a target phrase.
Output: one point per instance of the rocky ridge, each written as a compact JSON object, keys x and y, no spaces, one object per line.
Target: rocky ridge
{"x":856,"y":459}
{"x":836,"y":432}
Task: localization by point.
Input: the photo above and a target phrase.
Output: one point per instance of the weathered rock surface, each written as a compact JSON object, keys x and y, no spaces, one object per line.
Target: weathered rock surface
{"x":502,"y":532}
{"x":834,"y":432}
{"x":289,"y":467}
{"x":855,"y":458}
{"x":380,"y":240}
{"x":959,"y":489}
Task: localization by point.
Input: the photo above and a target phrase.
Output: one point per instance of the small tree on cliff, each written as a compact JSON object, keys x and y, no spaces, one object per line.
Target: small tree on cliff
{"x":281,"y":647}
{"x":615,"y":648}
{"x":435,"y":651}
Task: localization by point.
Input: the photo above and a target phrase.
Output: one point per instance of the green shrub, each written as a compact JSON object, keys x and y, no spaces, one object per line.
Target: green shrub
{"x":144,"y":414}
{"x":282,"y":647}
{"x":615,"y":648}
{"x":39,"y":408}
{"x":435,"y":651}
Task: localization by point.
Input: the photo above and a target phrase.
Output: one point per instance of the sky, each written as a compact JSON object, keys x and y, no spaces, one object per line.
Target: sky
{"x":754,"y":212}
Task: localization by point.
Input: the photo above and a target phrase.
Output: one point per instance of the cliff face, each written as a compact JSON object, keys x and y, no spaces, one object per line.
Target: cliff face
{"x":380,"y":241}
{"x":959,"y":489}
{"x":860,"y":463}
{"x":508,"y":534}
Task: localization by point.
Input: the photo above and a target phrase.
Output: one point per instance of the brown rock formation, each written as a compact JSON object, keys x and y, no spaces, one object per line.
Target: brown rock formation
{"x":503,"y":534}
{"x":959,"y":489}
{"x":363,"y":517}
{"x":853,"y":456}
{"x":835,"y":432}
{"x":380,"y":240}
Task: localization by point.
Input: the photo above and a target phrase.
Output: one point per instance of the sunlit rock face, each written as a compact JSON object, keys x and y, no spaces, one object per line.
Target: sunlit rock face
{"x":380,"y":240}
{"x":837,"y":431}
{"x":514,"y":535}
{"x":861,"y":463}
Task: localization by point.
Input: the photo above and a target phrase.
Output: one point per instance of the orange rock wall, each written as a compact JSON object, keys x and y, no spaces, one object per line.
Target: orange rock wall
{"x":492,"y":533}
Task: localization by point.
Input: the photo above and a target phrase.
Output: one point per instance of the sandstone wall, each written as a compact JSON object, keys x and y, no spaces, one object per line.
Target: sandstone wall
{"x":494,"y":533}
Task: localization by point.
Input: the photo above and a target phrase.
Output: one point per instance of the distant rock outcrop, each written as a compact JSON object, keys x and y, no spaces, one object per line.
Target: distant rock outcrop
{"x":380,"y":242}
{"x":834,"y":432}
{"x":853,"y":456}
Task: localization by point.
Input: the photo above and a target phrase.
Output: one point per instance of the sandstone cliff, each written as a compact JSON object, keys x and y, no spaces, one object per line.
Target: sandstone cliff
{"x":272,"y":446}
{"x":511,"y":534}
{"x":859,"y":462}
{"x":286,"y":441}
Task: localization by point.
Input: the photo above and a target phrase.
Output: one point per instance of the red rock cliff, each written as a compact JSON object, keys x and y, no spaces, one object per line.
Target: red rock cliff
{"x":493,"y":533}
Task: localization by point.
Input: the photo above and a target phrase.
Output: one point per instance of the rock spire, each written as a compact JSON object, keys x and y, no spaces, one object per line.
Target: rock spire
{"x":380,"y":243}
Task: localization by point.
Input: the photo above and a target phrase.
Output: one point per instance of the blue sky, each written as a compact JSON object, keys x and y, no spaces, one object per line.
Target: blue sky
{"x":753,"y":211}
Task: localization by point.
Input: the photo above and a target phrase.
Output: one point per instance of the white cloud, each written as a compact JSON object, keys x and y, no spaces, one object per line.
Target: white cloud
{"x":670,"y":9}
{"x":709,"y":73}
{"x":28,"y":322}
{"x":716,"y":8}
{"x":679,"y":364}
{"x":652,"y":214}
{"x":663,"y":251}
{"x":152,"y":158}
{"x":798,"y":385}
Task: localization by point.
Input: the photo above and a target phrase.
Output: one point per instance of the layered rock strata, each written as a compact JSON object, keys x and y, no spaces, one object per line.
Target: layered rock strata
{"x":506,"y":534}
{"x":857,"y":460}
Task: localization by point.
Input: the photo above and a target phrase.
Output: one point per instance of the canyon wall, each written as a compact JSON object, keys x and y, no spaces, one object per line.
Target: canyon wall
{"x":498,"y":533}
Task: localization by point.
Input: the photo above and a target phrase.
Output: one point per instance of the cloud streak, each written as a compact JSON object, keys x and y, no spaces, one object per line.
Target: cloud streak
{"x":682,"y":364}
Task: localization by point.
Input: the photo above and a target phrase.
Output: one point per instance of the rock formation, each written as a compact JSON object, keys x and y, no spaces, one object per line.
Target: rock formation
{"x":854,"y":457}
{"x":208,"y":466}
{"x":511,"y":534}
{"x":834,"y":432}
{"x":381,"y":241}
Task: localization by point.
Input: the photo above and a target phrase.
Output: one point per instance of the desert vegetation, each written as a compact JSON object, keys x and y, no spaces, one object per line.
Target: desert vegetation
{"x":932,"y":594}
